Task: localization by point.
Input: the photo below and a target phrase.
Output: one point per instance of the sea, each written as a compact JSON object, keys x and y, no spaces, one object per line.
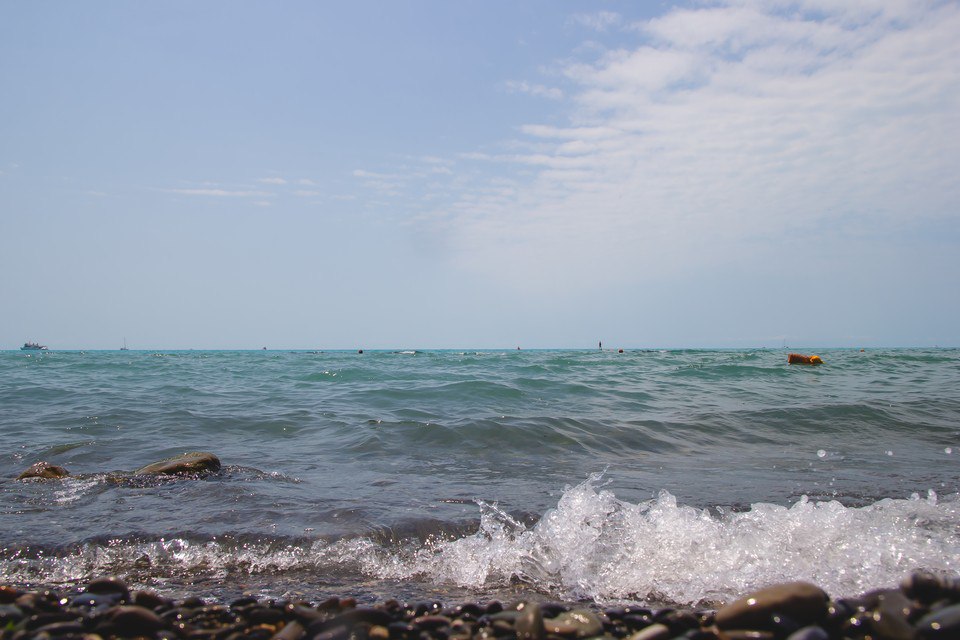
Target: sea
{"x":665,"y":477}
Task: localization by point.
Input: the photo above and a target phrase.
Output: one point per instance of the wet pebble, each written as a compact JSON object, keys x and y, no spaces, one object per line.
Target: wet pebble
{"x":110,"y":586}
{"x":942,"y":623}
{"x":529,"y":624}
{"x":809,"y":633}
{"x":803,"y":602}
{"x":925,"y":608}
{"x":656,"y":631}
{"x":135,"y":620}
{"x":578,"y":623}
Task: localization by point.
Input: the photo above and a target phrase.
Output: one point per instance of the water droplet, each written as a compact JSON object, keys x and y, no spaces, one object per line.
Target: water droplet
{"x":821,"y":453}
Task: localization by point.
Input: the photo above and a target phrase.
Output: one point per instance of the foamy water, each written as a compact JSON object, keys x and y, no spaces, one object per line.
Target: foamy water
{"x":590,"y":546}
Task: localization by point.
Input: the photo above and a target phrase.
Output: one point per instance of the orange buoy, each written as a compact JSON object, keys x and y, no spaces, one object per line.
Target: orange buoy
{"x":799,"y":358}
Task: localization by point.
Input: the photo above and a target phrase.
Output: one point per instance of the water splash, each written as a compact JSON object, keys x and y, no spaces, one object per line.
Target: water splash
{"x":592,"y":545}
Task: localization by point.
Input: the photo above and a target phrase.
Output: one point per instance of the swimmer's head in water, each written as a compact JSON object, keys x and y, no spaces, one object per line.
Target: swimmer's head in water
{"x":815,"y":360}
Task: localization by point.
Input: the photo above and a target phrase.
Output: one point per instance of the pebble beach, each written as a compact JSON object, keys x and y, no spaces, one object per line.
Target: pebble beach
{"x":924,"y":606}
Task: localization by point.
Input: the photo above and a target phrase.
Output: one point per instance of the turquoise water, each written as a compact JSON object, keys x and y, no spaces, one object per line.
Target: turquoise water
{"x":664,"y":476}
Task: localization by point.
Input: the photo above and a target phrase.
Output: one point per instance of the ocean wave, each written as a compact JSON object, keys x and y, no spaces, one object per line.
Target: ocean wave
{"x":591,"y":545}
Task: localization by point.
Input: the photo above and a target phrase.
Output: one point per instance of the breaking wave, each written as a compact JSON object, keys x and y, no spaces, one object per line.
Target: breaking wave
{"x":592,"y":545}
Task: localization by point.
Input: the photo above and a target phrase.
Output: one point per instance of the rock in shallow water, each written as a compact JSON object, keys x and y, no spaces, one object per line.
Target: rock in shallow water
{"x":44,"y":471}
{"x":194,"y":462}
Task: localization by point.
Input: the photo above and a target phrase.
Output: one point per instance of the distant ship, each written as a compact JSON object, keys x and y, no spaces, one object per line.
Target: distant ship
{"x":33,"y":346}
{"x":124,"y":347}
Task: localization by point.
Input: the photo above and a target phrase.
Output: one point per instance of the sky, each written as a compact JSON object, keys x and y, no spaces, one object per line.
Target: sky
{"x":479,"y":174}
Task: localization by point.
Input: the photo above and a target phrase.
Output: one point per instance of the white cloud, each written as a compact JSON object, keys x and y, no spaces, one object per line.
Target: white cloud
{"x":600,"y":21}
{"x":538,"y":90}
{"x":220,"y":193}
{"x":273,"y":180}
{"x":725,"y":123}
{"x":362,"y":173}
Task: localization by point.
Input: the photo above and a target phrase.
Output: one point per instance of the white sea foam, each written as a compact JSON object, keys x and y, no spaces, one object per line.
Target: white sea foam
{"x":591,"y":545}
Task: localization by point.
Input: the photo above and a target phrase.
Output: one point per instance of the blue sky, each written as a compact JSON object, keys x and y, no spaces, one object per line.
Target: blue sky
{"x":480,"y":174}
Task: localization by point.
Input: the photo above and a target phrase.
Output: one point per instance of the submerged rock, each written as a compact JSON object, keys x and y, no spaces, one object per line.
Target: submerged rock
{"x":44,"y":471}
{"x":192,"y":463}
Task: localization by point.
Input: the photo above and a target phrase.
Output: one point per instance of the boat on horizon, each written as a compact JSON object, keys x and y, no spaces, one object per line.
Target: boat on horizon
{"x":124,"y":347}
{"x":33,"y":346}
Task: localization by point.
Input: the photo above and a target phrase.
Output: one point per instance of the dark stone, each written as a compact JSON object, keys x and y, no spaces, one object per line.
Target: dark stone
{"x":135,"y":620}
{"x":264,"y":615}
{"x":431,"y":623}
{"x":680,"y":621}
{"x":366,"y":615}
{"x":553,"y":609}
{"x":890,"y":617}
{"x":55,"y":629}
{"x":305,"y":615}
{"x":150,"y":600}
{"x":927,"y":587}
{"x":637,"y":621}
{"x":529,"y":624}
{"x":804,"y":602}
{"x":330,"y":604}
{"x":193,"y":603}
{"x":578,"y":623}
{"x":44,"y":471}
{"x":95,"y":600}
{"x":341,"y":632}
{"x":809,"y":633}
{"x":45,"y":601}
{"x":655,"y":631}
{"x":243,"y":602}
{"x":941,"y":623}
{"x":109,"y":586}
{"x":50,"y":617}
{"x":9,"y":595}
{"x":426,"y":608}
{"x":402,"y":630}
{"x":10,"y":613}
{"x":192,"y":463}
{"x":469,"y":611}
{"x":292,"y":631}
